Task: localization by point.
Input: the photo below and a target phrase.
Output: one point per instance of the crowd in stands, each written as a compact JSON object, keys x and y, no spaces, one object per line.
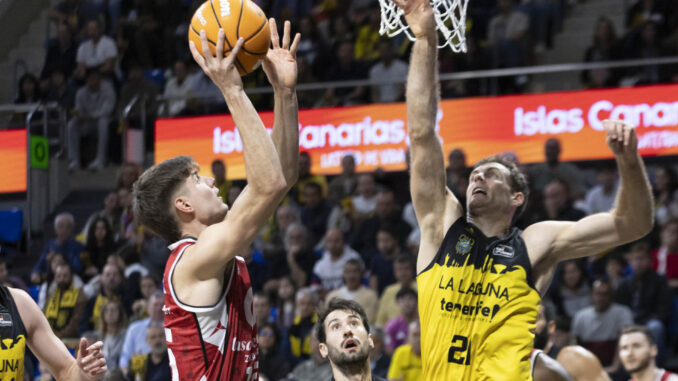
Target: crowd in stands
{"x":107,"y":55}
{"x":354,"y":236}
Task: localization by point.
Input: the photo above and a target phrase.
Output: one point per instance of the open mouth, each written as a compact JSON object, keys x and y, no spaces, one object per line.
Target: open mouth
{"x":479,"y":191}
{"x":350,"y":344}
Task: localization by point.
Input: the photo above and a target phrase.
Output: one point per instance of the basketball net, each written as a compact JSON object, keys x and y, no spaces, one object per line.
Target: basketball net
{"x":450,"y":17}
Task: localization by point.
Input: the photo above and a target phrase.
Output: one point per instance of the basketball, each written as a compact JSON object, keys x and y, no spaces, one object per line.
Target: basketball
{"x":238,"y":18}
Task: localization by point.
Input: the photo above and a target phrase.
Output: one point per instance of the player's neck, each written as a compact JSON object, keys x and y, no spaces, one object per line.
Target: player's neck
{"x":647,"y":374}
{"x":192,"y":229}
{"x":491,"y":225}
{"x":361,"y":372}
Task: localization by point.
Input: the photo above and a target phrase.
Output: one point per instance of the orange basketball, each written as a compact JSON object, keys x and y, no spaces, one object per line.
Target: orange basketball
{"x":238,"y":18}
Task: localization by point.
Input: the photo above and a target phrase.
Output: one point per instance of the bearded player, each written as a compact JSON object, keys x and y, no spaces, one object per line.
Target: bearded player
{"x":209,"y":324}
{"x":637,"y":352}
{"x":479,"y":281}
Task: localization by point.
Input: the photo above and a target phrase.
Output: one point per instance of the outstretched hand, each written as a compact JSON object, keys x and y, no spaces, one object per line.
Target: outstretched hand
{"x":621,"y":137}
{"x":280,"y":64}
{"x":220,"y":69}
{"x":91,"y":359}
{"x":419,"y":16}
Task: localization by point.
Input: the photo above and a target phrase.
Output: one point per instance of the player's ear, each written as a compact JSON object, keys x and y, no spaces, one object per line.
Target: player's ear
{"x":371,"y":339}
{"x":517,"y":199}
{"x":183,"y":205}
{"x":322,"y":347}
{"x":654,"y":350}
{"x":551,"y":327}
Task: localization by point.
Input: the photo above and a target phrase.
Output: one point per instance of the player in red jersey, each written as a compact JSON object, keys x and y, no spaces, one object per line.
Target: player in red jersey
{"x":209,"y":324}
{"x":637,"y":352}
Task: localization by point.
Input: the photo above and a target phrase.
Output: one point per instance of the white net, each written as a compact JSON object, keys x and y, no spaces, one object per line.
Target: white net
{"x":450,"y":17}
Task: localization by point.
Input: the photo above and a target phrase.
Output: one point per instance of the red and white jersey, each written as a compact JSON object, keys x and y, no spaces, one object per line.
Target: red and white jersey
{"x":212,"y":343}
{"x":663,"y":375}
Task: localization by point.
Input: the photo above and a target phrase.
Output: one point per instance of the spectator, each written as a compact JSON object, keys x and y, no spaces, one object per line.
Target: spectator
{"x":154,"y":39}
{"x":299,"y":334}
{"x":379,"y":360}
{"x":135,"y":339}
{"x":110,"y":212}
{"x":406,"y":360}
{"x":388,"y":68}
{"x":126,"y":215}
{"x":598,"y":327}
{"x":315,"y":212}
{"x":601,"y":197}
{"x":558,"y":203}
{"x":299,"y":260}
{"x":155,"y":365}
{"x":8,"y":280}
{"x":354,"y":290}
{"x":344,"y":185}
{"x":113,"y":329}
{"x":148,"y":285}
{"x":571,"y":293}
{"x":111,"y":289}
{"x":395,"y":330}
{"x":273,"y":235}
{"x":61,"y":53}
{"x":99,"y":245}
{"x":368,"y":37}
{"x":271,"y":363}
{"x":310,"y":43}
{"x":94,"y":104}
{"x":545,"y":329}
{"x":128,"y":173}
{"x":364,"y":238}
{"x":644,"y":11}
{"x":665,"y":194}
{"x":646,"y":293}
{"x":329,"y":269}
{"x":220,"y":182}
{"x":285,"y":302}
{"x":665,"y":259}
{"x":65,"y":305}
{"x":177,"y":89}
{"x":63,"y":243}
{"x":365,"y":201}
{"x":97,"y":53}
{"x":638,"y":353}
{"x":70,"y":13}
{"x":60,"y":90}
{"x":543,"y":173}
{"x":605,"y":48}
{"x":145,"y":92}
{"x":305,"y":177}
{"x":49,"y":284}
{"x":507,"y":35}
{"x":403,"y":269}
{"x":290,"y":9}
{"x":261,"y":307}
{"x":381,"y":266}
{"x":615,"y":269}
{"x":457,"y":174}
{"x":315,"y":368}
{"x":643,"y":45}
{"x":29,"y":89}
{"x":345,"y":68}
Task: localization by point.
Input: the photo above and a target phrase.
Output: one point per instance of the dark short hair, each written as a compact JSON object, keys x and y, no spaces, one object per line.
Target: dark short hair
{"x":154,"y":192}
{"x":405,"y":292}
{"x":389,"y":228}
{"x":517,"y":181}
{"x":405,"y":258}
{"x":638,"y":329}
{"x":355,"y":262}
{"x":343,"y":305}
{"x":276,"y":332}
{"x":315,"y":186}
{"x":218,"y":162}
{"x":641,"y":246}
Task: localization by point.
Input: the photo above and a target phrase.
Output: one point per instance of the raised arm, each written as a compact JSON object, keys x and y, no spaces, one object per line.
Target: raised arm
{"x":433,"y":203}
{"x":90,"y":364}
{"x":220,"y":242}
{"x":632,"y":217}
{"x":280,"y":66}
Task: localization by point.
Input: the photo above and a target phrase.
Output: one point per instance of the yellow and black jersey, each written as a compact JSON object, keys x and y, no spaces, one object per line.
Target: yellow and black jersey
{"x":478,"y":307}
{"x":12,"y":338}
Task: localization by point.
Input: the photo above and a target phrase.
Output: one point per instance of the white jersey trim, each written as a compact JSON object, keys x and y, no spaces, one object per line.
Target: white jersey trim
{"x":171,"y":286}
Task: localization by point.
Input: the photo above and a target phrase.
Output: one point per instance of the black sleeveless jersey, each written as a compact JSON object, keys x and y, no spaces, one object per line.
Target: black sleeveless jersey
{"x":12,"y":338}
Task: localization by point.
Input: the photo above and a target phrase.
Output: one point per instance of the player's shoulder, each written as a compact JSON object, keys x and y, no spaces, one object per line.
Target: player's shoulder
{"x":672,"y":377}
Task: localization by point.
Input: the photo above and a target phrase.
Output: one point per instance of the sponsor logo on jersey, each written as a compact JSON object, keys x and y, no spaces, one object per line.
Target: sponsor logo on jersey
{"x":245,"y":345}
{"x":504,"y":251}
{"x":166,"y":310}
{"x":473,"y":310}
{"x":464,"y":244}
{"x":5,"y":320}
{"x":475,"y":288}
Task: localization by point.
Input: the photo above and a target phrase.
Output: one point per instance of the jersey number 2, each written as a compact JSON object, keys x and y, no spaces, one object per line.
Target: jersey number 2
{"x":462,"y":345}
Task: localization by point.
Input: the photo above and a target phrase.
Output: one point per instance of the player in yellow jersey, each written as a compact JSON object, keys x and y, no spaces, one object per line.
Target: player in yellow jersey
{"x":479,"y":281}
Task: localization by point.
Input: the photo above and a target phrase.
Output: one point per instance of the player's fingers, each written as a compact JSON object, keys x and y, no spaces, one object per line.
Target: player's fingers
{"x":627,"y":134}
{"x":197,"y":57}
{"x":220,"y":44}
{"x":286,"y":35}
{"x":96,"y":346}
{"x":275,"y":39}
{"x":236,"y":49}
{"x":206,"y":52}
{"x":82,"y":348}
{"x":620,"y":131}
{"x":295,"y":44}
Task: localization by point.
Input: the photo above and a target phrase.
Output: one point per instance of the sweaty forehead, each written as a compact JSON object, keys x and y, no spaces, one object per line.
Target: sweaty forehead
{"x":492,"y":165}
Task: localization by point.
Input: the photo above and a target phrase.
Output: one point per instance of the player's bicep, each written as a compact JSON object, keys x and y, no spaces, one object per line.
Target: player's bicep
{"x":40,"y":338}
{"x":221,"y":242}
